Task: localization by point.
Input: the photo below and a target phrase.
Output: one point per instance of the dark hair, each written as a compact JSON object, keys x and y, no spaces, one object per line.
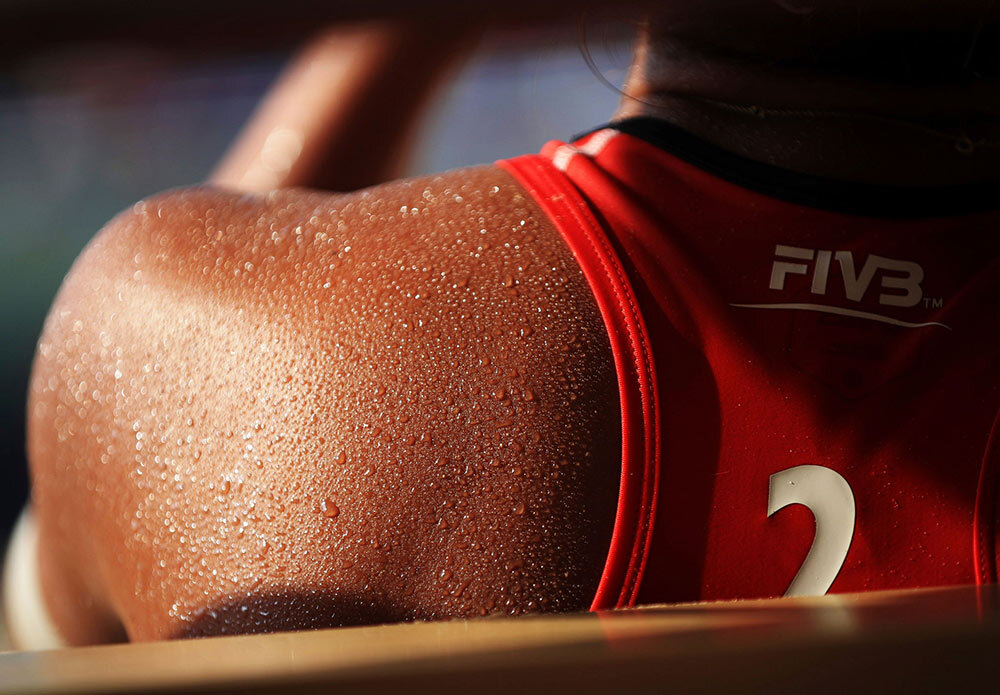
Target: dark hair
{"x":916,"y":41}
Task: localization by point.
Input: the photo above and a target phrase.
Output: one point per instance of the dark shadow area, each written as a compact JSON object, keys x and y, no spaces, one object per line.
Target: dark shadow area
{"x":284,"y":611}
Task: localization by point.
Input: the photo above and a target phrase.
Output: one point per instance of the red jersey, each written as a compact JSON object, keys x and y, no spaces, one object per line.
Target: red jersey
{"x":808,"y":368}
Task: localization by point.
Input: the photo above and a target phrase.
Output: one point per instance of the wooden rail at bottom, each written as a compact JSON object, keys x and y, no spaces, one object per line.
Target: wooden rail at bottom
{"x":927,"y":640}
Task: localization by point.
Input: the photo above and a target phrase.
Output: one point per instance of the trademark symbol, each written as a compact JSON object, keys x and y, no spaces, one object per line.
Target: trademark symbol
{"x":933,"y":302}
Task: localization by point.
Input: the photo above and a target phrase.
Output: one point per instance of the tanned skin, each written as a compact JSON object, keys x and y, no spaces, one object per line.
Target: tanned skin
{"x":305,"y":410}
{"x":299,"y":409}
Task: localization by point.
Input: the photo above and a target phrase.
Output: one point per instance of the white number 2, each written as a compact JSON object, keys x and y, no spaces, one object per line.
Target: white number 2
{"x":828,"y":496}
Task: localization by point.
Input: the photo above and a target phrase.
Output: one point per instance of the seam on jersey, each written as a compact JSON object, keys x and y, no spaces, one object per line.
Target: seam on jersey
{"x":642,"y":365}
{"x":641,"y":358}
{"x":539,"y":171}
{"x":985,"y":519}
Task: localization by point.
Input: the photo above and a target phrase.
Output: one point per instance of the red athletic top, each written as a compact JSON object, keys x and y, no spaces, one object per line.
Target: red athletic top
{"x":808,"y":369}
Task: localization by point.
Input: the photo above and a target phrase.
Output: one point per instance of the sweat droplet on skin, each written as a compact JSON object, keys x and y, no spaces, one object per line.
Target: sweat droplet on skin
{"x":329,"y":508}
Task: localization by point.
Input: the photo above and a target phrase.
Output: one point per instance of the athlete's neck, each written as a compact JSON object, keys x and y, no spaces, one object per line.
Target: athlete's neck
{"x":824,"y":122}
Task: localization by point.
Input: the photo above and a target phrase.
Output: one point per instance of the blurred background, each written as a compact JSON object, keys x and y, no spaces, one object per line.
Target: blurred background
{"x":92,"y":122}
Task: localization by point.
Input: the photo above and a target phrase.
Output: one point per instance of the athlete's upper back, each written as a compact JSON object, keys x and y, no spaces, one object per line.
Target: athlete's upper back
{"x":252,"y":389}
{"x":252,"y":413}
{"x":809,"y":342}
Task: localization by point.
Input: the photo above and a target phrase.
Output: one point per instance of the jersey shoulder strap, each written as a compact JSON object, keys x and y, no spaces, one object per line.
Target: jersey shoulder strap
{"x":630,"y":344}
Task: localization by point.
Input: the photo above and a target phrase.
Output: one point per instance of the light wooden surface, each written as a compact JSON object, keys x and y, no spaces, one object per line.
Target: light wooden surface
{"x":4,"y":639}
{"x":939,"y":640}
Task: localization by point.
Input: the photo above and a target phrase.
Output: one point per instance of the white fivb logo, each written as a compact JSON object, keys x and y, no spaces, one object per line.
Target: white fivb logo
{"x":898,"y":283}
{"x":899,"y":280}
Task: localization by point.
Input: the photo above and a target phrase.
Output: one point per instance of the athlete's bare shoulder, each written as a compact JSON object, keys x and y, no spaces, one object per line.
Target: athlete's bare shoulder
{"x":306,"y":409}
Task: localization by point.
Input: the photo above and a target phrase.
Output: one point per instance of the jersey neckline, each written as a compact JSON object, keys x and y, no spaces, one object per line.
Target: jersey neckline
{"x":849,"y":197}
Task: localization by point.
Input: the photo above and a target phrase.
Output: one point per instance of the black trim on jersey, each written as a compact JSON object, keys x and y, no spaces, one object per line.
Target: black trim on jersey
{"x":851,"y":197}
